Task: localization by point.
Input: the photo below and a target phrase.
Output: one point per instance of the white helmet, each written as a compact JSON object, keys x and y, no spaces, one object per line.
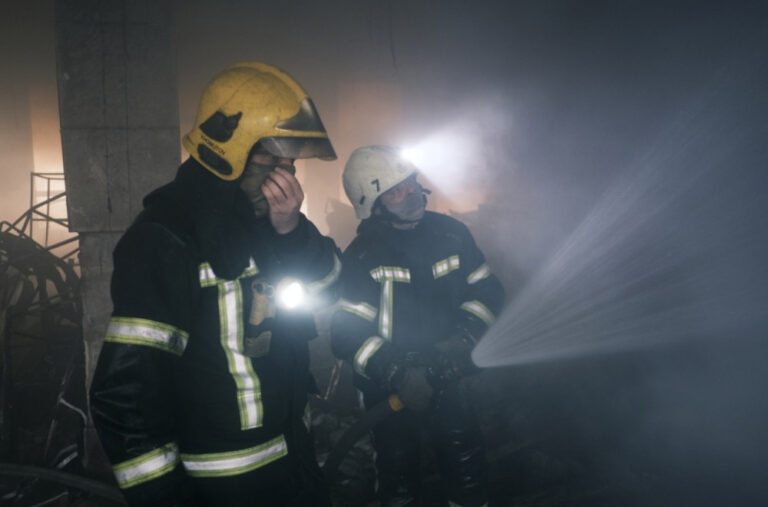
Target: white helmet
{"x":371,"y":171}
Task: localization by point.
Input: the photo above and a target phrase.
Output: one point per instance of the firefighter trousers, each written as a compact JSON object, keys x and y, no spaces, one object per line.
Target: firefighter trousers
{"x":452,"y":431}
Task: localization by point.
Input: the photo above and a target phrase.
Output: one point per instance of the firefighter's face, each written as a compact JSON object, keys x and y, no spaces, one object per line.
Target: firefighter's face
{"x":405,"y":200}
{"x":256,"y":171}
{"x":399,"y":192}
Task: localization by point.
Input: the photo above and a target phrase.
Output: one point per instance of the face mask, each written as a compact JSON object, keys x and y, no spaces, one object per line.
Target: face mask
{"x":253,"y":178}
{"x":410,"y":209}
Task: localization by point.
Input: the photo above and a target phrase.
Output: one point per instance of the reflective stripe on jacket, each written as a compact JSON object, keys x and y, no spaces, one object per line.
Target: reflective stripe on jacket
{"x":404,"y":290}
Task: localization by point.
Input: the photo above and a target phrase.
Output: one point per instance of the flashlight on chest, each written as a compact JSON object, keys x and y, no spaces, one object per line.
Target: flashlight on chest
{"x":267,"y":300}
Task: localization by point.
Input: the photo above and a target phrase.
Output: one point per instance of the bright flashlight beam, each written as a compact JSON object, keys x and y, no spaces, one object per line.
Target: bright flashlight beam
{"x":460,"y":147}
{"x":443,"y":158}
{"x":291,"y":295}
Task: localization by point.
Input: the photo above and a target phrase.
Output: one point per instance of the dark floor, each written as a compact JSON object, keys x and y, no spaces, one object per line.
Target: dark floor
{"x":677,"y":426}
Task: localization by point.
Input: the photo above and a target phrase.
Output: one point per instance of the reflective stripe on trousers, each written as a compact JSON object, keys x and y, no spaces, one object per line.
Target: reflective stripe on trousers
{"x":221,"y":464}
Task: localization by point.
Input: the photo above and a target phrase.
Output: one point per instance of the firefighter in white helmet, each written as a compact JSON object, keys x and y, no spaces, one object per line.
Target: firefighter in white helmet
{"x":416,"y":296}
{"x":200,"y":392}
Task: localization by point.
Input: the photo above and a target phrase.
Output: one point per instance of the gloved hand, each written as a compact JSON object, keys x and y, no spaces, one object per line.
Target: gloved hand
{"x":456,"y":348}
{"x":413,"y":388}
{"x":454,"y":356}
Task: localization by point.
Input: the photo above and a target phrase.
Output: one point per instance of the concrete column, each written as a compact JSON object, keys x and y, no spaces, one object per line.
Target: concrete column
{"x":119,"y":129}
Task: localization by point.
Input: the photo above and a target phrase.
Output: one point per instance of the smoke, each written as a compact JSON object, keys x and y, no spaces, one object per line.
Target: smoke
{"x":665,"y":254}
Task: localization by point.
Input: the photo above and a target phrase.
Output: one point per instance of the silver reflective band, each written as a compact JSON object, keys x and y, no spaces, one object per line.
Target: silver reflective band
{"x":445,"y":266}
{"x":307,"y":417}
{"x":360,"y":309}
{"x":386,"y":305}
{"x":479,"y":310}
{"x":365,"y":352}
{"x":240,"y":366}
{"x":332,"y":276}
{"x":146,"y":467}
{"x":208,"y":277}
{"x":392,"y":273}
{"x":479,"y":274}
{"x":135,"y":331}
{"x":222,"y":464}
{"x":386,"y":276}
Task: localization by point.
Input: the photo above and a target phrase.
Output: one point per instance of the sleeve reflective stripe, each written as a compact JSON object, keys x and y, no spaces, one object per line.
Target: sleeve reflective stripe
{"x":146,"y":467}
{"x":479,"y":274}
{"x":445,"y":266}
{"x":332,"y":276}
{"x":395,"y":274}
{"x":360,"y":309}
{"x":479,"y":310}
{"x":240,"y":366}
{"x":223,"y":464}
{"x":307,"y":417}
{"x":365,"y":352}
{"x":208,"y":277}
{"x":135,"y":331}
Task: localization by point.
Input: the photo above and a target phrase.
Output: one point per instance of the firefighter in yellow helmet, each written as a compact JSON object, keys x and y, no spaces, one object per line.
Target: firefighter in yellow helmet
{"x":200,"y":392}
{"x":416,"y":297}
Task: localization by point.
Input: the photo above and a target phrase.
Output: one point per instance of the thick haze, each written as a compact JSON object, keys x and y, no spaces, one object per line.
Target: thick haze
{"x":547,"y":110}
{"x":545,"y":100}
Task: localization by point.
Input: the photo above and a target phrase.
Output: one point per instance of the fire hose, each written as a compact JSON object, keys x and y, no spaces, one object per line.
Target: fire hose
{"x":441,"y":374}
{"x":368,"y":420}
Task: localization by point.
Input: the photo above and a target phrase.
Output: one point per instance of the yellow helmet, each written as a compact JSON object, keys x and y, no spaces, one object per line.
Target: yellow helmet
{"x":253,"y":102}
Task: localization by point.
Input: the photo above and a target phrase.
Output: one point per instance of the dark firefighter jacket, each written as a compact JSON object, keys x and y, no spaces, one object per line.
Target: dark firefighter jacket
{"x":187,"y":386}
{"x":404,"y":290}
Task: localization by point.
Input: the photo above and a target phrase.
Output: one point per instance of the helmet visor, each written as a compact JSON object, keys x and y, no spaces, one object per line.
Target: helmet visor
{"x":299,"y":147}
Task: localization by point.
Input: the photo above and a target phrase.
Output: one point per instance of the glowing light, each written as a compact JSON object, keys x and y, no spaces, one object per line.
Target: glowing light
{"x":458,"y":158}
{"x":446,"y":157}
{"x":413,"y":154}
{"x":290,"y":294}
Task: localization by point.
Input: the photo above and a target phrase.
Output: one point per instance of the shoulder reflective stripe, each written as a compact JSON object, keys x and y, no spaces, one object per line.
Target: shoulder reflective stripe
{"x":135,"y":331}
{"x":208,"y":277}
{"x":146,"y":467}
{"x":391,"y":273}
{"x":454,"y":504}
{"x":332,"y":276}
{"x":246,"y":380}
{"x":251,"y":270}
{"x":360,"y":309}
{"x":479,"y":310}
{"x":365,"y":352}
{"x":479,"y":274}
{"x":445,"y":266}
{"x":222,"y":464}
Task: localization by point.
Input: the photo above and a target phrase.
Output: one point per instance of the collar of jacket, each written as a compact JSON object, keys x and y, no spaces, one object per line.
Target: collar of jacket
{"x":216,"y":214}
{"x":380,"y":225}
